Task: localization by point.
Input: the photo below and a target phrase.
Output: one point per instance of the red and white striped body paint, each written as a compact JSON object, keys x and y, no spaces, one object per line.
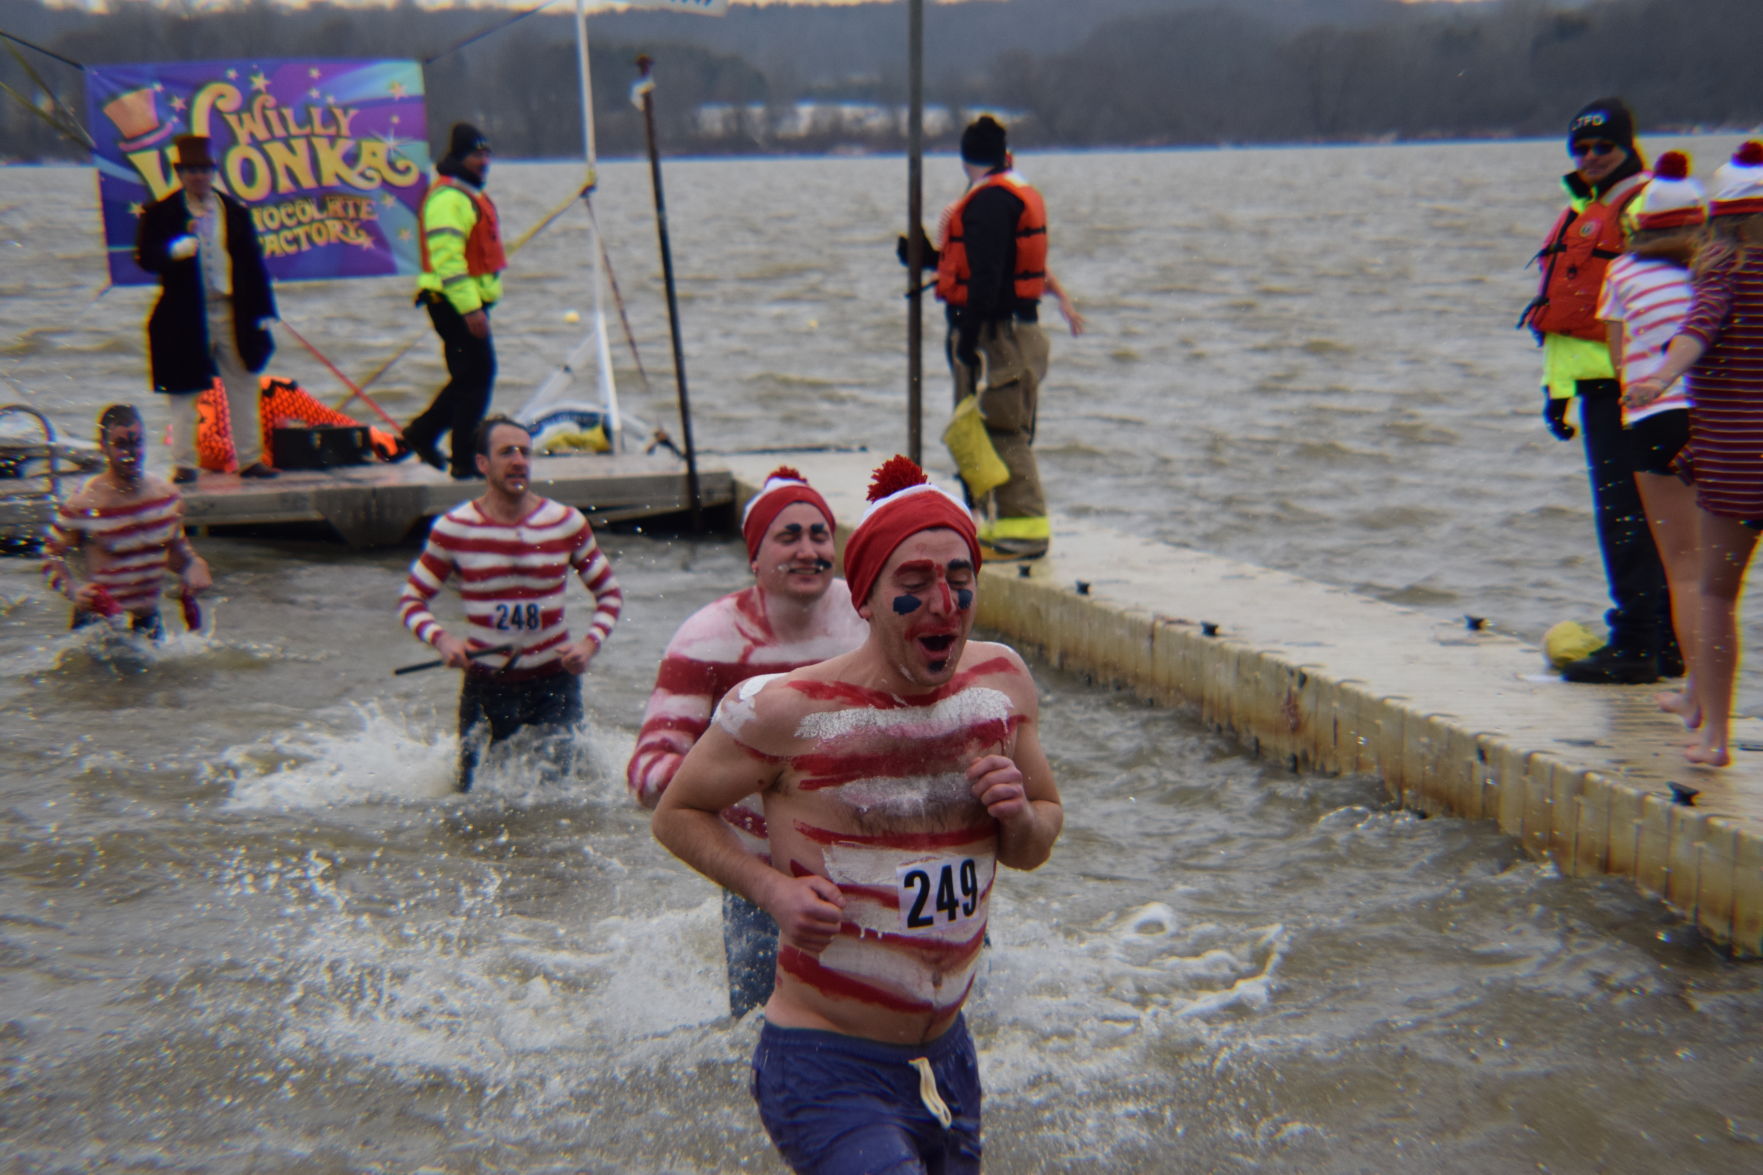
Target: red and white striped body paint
{"x":719,"y":646}
{"x":874,"y":795}
{"x":127,"y":547}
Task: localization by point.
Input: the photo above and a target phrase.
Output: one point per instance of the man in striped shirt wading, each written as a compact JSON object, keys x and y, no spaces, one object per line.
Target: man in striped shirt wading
{"x":895,"y":779}
{"x":129,"y":527}
{"x":513,"y":551}
{"x":795,"y":613}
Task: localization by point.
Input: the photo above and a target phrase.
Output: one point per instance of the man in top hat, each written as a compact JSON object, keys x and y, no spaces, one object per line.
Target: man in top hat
{"x":895,"y":778}
{"x":794,"y":614}
{"x":214,"y":309}
{"x":462,"y":262}
{"x":1608,"y":174}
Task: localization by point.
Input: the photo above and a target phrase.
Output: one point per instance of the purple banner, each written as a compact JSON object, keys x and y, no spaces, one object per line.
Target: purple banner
{"x":331,"y":156}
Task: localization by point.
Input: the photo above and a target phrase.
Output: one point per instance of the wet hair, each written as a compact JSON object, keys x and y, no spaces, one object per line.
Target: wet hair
{"x":1679,"y":246}
{"x":480,"y":440}
{"x":115,"y":416}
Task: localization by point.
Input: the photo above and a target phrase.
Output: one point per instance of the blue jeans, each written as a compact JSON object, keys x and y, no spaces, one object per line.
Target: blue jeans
{"x":552,"y":700}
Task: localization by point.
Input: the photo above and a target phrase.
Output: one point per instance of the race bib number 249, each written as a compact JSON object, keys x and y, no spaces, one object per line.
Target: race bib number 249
{"x":937,"y":893}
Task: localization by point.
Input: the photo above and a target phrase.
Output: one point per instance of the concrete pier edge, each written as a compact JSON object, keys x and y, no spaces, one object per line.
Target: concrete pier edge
{"x":1452,"y":719}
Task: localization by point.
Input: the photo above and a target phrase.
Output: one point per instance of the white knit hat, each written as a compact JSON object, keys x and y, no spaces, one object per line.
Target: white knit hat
{"x":1672,"y":198}
{"x":1738,"y":185}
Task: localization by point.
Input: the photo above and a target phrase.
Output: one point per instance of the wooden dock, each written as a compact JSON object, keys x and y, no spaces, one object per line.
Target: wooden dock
{"x":378,"y":505}
{"x":1452,"y":720}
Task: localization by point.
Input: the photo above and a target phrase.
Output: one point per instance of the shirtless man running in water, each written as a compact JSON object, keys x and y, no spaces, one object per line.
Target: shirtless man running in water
{"x":895,"y":778}
{"x":129,"y":526}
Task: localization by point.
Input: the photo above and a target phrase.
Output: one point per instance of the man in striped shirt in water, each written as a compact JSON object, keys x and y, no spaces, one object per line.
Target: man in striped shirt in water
{"x":129,"y":527}
{"x":895,"y":779}
{"x":513,"y":551}
{"x":795,"y":613}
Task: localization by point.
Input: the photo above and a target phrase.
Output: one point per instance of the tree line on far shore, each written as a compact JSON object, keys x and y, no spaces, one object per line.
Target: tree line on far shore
{"x":1130,"y":73}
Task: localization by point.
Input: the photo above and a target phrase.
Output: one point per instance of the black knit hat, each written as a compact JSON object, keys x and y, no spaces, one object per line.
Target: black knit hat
{"x":1603,"y":118}
{"x":466,"y":139}
{"x":982,"y":143}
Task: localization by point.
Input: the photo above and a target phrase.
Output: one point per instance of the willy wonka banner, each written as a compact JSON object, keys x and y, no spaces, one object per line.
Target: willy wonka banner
{"x":330,"y":156}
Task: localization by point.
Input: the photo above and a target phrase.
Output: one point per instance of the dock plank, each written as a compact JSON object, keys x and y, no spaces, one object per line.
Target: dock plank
{"x":378,"y":504}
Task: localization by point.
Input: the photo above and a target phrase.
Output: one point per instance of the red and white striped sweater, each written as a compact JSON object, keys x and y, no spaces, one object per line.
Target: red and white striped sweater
{"x":511,"y":581}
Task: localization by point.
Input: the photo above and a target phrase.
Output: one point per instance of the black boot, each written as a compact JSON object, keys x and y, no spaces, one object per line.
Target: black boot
{"x":1613,"y":666}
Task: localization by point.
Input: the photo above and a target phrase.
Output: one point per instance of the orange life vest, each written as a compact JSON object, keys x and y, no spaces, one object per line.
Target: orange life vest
{"x":1574,"y":257}
{"x":483,"y":245}
{"x":953,"y":270}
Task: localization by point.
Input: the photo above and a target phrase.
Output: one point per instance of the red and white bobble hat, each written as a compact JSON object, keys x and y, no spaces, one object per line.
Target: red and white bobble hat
{"x":1738,"y":185}
{"x":902,"y":502}
{"x":1672,"y":198}
{"x":783,"y":487}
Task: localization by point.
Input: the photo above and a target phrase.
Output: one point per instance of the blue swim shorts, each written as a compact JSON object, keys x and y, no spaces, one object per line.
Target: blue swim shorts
{"x":843,"y":1105}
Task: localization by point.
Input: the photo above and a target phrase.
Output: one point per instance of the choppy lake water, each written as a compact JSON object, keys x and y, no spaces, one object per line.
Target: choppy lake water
{"x":246,"y":926}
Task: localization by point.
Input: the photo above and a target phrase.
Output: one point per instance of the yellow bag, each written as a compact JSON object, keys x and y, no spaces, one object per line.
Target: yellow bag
{"x":975,"y":458}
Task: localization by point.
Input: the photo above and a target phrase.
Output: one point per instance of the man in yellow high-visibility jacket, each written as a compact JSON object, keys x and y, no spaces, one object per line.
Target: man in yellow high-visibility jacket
{"x":462,"y":262}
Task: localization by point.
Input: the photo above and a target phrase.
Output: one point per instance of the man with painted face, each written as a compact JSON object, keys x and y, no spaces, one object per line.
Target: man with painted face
{"x":514,"y":552}
{"x":895,"y":779}
{"x":794,"y":614}
{"x":215,"y":305}
{"x":1608,"y":174}
{"x":129,"y":527}
{"x":462,"y":264}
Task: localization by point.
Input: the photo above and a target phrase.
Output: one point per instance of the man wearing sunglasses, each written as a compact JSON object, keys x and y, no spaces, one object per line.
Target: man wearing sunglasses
{"x":214,"y":309}
{"x":1608,"y":174}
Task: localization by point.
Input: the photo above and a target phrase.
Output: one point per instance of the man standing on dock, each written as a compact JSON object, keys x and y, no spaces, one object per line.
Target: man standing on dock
{"x":794,"y":614}
{"x":514,"y":551}
{"x":462,"y":263}
{"x":214,"y":309}
{"x":129,"y":525}
{"x":895,"y":778}
{"x":1608,"y":174}
{"x":991,"y":272}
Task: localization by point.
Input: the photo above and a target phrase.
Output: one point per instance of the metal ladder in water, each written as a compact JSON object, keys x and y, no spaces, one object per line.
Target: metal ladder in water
{"x":21,"y":530}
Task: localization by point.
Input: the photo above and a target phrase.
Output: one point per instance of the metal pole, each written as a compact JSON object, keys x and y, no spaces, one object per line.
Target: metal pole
{"x":915,"y":233}
{"x":644,"y":62}
{"x":603,"y":352}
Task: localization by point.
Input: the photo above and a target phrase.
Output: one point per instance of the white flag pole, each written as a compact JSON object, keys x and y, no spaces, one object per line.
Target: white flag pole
{"x":608,"y":387}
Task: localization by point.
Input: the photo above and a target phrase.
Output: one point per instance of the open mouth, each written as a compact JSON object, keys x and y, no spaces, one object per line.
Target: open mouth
{"x":937,"y":644}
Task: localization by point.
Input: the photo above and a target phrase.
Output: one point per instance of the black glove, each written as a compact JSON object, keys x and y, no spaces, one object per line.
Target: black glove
{"x":1555,"y":416}
{"x":928,"y":255}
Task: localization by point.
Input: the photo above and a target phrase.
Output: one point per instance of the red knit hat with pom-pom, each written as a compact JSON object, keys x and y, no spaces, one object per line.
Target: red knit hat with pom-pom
{"x":783,"y":487}
{"x":1672,"y":198}
{"x":902,"y":502}
{"x":1738,"y":185}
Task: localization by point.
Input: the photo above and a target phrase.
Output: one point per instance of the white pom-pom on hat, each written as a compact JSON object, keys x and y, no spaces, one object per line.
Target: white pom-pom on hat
{"x":1672,"y":198}
{"x":1738,"y":184}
